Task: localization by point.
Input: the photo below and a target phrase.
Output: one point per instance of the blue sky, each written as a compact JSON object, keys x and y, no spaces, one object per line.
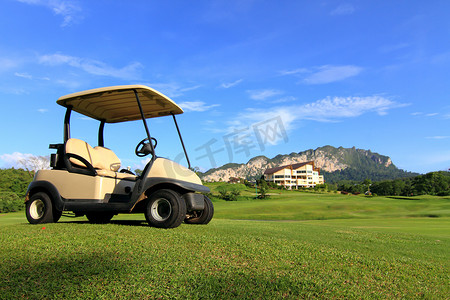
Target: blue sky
{"x":254,"y":77}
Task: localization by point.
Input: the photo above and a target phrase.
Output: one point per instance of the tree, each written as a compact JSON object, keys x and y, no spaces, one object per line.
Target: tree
{"x":397,"y":187}
{"x":10,"y":202}
{"x":367,"y":183}
{"x":223,"y":192}
{"x":15,"y":181}
{"x":320,"y":187}
{"x":263,"y":188}
{"x":35,"y":163}
{"x":234,"y":193}
{"x":228,"y":192}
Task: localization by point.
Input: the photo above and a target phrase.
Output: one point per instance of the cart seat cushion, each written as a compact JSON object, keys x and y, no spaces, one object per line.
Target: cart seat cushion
{"x":106,"y":173}
{"x":80,"y":148}
{"x":126,"y":176}
{"x":100,"y":158}
{"x":105,"y":159}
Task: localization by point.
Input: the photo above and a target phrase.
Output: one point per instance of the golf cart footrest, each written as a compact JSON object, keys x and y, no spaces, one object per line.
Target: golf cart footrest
{"x":194,"y":201}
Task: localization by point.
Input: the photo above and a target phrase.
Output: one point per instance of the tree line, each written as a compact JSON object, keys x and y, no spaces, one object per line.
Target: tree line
{"x":433,"y":183}
{"x":14,"y":184}
{"x":359,"y":174}
{"x":13,"y":187}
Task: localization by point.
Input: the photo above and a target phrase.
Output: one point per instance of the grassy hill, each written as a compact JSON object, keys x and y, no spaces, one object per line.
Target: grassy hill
{"x":365,"y":248}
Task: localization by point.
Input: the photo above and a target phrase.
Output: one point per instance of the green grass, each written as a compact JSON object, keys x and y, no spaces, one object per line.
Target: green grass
{"x":365,"y":248}
{"x":293,"y":205}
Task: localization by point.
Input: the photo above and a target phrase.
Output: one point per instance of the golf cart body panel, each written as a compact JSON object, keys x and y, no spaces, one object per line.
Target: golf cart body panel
{"x":101,"y":187}
{"x":97,"y":188}
{"x":89,"y":180}
{"x":165,"y":168}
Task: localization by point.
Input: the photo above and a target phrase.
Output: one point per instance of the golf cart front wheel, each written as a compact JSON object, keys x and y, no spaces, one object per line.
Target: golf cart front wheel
{"x":39,"y":209}
{"x":165,"y":209}
{"x":202,"y":216}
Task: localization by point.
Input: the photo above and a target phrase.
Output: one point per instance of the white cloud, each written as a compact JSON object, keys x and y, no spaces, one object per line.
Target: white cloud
{"x":12,"y":159}
{"x":393,"y":48}
{"x":438,"y":137}
{"x":328,"y":74}
{"x":25,"y":160}
{"x":439,"y":160}
{"x":72,"y":84}
{"x":442,"y":58}
{"x":197,"y":106}
{"x":343,"y":9}
{"x":190,"y":88}
{"x":23,"y":75}
{"x":142,"y":163}
{"x":285,"y":99}
{"x":263,"y":94}
{"x":293,"y":72}
{"x":253,"y":116}
{"x":344,"y":107}
{"x":69,"y":10}
{"x":13,"y":90}
{"x":172,"y":90}
{"x":330,"y":109}
{"x":7,"y":64}
{"x":42,"y":110}
{"x":92,"y":66}
{"x":431,"y":114}
{"x":231,"y":84}
{"x":29,"y":76}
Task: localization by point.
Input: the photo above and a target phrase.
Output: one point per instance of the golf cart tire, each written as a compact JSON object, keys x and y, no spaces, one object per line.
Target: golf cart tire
{"x":56,"y":214}
{"x":99,"y":217}
{"x":165,"y":209}
{"x":202,"y":217}
{"x":39,"y":209}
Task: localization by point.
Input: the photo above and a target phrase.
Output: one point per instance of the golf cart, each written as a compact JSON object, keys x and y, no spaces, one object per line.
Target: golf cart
{"x":89,"y":181}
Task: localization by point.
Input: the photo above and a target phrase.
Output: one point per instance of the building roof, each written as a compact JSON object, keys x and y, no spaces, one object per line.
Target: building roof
{"x":292,"y":167}
{"x":274,"y":170}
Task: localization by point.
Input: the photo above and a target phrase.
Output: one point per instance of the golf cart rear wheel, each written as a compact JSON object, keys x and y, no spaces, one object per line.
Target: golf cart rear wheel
{"x":99,"y":217}
{"x":165,"y":209}
{"x":201,"y":216}
{"x":39,"y":209}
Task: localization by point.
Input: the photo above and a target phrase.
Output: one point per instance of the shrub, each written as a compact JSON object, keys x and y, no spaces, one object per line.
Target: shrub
{"x":444,"y":193}
{"x":10,"y":202}
{"x":234,"y":193}
{"x":229,"y":193}
{"x":223,"y":192}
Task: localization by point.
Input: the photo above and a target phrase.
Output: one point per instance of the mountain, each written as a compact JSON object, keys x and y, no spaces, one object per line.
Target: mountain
{"x":335,"y":164}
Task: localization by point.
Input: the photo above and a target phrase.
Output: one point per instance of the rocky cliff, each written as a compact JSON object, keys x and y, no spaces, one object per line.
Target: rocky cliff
{"x":327,"y":158}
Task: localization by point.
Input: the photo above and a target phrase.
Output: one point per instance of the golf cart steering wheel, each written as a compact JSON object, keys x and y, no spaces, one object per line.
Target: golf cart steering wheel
{"x":144,"y":148}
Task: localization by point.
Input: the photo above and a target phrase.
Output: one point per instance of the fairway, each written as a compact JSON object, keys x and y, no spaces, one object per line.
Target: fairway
{"x":367,"y":256}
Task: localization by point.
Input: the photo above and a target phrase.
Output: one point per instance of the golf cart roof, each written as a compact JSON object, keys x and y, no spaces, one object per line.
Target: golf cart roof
{"x":118,"y":103}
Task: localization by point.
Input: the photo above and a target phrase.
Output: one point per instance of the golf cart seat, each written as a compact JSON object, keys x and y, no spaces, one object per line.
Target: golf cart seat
{"x":98,"y":160}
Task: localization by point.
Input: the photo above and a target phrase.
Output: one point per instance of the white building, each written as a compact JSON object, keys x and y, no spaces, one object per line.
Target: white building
{"x":295,"y":175}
